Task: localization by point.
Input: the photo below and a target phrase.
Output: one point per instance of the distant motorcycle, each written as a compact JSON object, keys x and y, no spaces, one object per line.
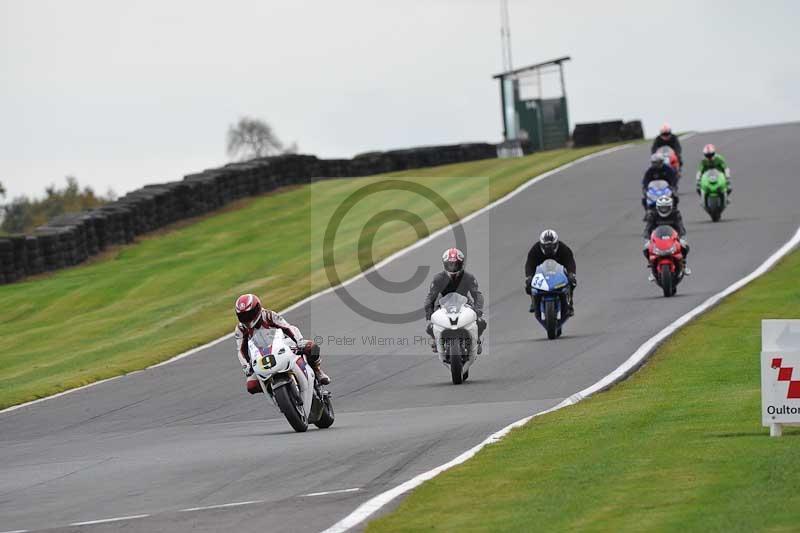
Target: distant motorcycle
{"x":655,"y":190}
{"x":671,"y":158}
{"x":714,"y":193}
{"x":665,"y":256}
{"x":551,"y":292}
{"x":455,"y":328}
{"x":290,"y":382}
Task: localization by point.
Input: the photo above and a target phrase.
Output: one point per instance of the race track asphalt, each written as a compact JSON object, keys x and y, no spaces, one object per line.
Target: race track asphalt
{"x":186,"y":435}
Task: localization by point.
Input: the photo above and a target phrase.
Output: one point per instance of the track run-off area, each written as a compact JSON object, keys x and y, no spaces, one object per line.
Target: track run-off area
{"x":182,"y":447}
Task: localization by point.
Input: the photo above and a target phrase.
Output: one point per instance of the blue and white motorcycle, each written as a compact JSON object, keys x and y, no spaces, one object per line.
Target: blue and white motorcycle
{"x":551,"y":293}
{"x":655,"y":190}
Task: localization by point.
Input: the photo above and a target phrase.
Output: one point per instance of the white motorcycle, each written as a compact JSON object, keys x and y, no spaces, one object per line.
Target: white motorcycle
{"x":455,"y":328}
{"x":290,"y":382}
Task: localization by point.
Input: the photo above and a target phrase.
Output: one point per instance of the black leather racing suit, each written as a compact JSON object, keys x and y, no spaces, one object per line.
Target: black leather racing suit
{"x":672,"y":141}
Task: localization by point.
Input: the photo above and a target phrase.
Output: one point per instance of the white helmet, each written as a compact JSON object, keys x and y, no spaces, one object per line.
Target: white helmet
{"x":548,"y":242}
{"x":664,"y":206}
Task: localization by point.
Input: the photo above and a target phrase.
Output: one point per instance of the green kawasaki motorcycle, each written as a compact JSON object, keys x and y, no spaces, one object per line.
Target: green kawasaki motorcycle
{"x":714,"y":193}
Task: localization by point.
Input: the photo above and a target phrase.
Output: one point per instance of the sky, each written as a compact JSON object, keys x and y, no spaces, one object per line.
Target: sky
{"x":122,"y":93}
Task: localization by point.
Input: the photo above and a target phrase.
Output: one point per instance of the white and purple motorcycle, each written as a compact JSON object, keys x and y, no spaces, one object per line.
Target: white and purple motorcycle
{"x":455,"y":328}
{"x":290,"y":383}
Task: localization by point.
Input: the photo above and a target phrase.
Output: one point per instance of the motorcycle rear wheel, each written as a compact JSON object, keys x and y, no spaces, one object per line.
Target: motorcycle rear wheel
{"x":294,"y":413}
{"x":326,"y":418}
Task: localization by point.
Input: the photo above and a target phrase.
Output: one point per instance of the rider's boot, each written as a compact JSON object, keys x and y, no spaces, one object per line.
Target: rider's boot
{"x":480,"y":346}
{"x":322,"y":377}
{"x":650,"y":277}
{"x":686,"y":270}
{"x":253,"y":386}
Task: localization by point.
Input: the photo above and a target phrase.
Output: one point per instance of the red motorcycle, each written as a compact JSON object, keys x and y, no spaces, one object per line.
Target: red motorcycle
{"x":665,"y":255}
{"x":670,"y":157}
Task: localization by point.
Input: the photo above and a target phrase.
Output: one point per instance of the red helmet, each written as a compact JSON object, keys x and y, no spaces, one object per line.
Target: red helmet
{"x":453,"y":261}
{"x":248,"y":310}
{"x":665,"y":129}
{"x":709,"y":151}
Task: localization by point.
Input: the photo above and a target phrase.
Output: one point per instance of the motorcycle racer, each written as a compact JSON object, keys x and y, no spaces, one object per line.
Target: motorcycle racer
{"x":454,"y":279}
{"x":549,"y":247}
{"x":665,"y":214}
{"x":667,"y":138}
{"x":659,"y":170}
{"x":711,"y":159}
{"x":253,"y":319}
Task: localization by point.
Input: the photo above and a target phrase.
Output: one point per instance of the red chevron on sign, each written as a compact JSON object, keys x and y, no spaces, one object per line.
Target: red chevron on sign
{"x":785,"y":374}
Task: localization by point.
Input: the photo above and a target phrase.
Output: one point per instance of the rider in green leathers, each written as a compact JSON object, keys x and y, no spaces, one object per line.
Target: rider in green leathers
{"x":711,"y":159}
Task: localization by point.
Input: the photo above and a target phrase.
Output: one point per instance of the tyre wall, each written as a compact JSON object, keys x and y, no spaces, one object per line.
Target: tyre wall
{"x":70,"y":239}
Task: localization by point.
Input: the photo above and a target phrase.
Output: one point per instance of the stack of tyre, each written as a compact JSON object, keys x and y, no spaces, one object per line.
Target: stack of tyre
{"x":70,"y":239}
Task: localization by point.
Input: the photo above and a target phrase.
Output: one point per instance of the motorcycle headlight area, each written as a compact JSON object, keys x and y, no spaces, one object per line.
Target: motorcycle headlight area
{"x":669,"y":251}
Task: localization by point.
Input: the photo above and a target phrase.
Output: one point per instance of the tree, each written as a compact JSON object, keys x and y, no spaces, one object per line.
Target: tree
{"x":252,"y":137}
{"x":23,"y":214}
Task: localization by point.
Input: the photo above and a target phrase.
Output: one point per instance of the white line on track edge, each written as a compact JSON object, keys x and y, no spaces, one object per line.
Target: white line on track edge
{"x":107,"y":520}
{"x":327,"y":492}
{"x":355,"y":278}
{"x":220,"y":506}
{"x":366,"y":509}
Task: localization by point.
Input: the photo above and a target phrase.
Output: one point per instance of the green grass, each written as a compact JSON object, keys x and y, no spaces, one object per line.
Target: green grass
{"x":146,"y":302}
{"x":677,"y":447}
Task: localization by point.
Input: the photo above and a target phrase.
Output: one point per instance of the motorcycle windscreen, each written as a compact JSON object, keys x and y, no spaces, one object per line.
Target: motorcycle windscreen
{"x":453,"y":302}
{"x":550,"y":266}
{"x":658,"y":185}
{"x":663,"y":232}
{"x":713,"y":175}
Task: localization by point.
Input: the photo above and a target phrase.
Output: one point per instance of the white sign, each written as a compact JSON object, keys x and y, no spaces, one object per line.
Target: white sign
{"x":780,"y":374}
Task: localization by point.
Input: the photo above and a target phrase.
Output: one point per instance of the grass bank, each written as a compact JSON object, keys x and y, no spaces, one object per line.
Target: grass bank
{"x":677,"y":447}
{"x":174,"y":290}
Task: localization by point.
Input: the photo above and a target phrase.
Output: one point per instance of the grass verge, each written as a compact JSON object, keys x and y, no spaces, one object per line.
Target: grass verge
{"x":677,"y":447}
{"x":173,"y":291}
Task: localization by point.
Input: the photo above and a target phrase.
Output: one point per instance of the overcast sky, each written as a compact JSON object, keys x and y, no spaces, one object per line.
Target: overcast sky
{"x":123,"y":93}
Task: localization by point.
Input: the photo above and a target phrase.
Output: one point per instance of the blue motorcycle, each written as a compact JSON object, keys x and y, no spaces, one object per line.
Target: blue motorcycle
{"x":655,"y":190}
{"x":551,"y":292}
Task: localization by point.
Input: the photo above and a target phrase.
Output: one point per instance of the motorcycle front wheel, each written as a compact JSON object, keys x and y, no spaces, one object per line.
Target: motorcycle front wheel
{"x":456,"y":364}
{"x":666,"y":281}
{"x":286,"y":398}
{"x":715,"y":208}
{"x":550,"y":319}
